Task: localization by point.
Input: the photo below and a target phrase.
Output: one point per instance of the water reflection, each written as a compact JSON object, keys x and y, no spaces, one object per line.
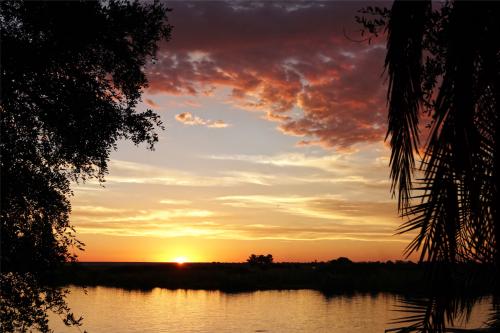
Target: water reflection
{"x":440,"y":313}
{"x":161,"y":310}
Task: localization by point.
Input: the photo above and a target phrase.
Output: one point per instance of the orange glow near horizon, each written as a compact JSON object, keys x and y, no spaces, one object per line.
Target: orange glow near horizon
{"x":180,"y":260}
{"x":101,"y":248}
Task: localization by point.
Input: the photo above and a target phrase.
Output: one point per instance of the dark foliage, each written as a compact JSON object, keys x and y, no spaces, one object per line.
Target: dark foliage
{"x":25,"y":301}
{"x":72,"y":74}
{"x":443,"y":65}
{"x":260,"y":260}
{"x":371,"y":277}
{"x":341,"y":261}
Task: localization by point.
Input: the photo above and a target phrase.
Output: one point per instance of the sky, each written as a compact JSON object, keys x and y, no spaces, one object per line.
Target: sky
{"x":275,"y":118}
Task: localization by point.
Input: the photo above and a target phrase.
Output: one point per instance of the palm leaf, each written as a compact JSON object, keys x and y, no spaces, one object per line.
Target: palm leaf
{"x":404,"y":66}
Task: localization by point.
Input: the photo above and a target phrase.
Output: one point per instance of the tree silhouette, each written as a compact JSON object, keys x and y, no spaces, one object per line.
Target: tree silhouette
{"x":72,"y":74}
{"x":455,"y":206}
{"x":443,"y":64}
{"x":341,"y":261}
{"x":260,"y":260}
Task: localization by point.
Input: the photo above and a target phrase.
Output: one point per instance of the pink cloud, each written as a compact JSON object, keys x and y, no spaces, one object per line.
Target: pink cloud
{"x":293,"y":64}
{"x":188,"y":118}
{"x":149,"y":102}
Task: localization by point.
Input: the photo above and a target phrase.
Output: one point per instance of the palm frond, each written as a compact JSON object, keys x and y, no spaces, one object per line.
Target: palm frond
{"x":453,"y":213}
{"x":454,"y":207}
{"x":432,"y":315}
{"x":404,"y":66}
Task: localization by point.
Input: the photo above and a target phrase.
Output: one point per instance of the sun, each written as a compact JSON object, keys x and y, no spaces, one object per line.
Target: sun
{"x":180,"y":260}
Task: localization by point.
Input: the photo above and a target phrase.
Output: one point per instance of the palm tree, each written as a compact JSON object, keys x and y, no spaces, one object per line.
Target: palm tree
{"x":443,"y":66}
{"x":454,"y":205}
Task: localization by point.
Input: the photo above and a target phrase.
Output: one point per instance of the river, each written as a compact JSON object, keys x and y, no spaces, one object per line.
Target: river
{"x":115,"y":310}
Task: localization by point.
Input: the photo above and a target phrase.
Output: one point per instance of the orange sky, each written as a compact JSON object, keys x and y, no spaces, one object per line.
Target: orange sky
{"x":274,"y":144}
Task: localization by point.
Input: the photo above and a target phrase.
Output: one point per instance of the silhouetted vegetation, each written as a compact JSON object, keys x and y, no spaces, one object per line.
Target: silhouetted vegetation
{"x":342,"y":261}
{"x":328,"y":277}
{"x":72,"y":75}
{"x":260,"y":260}
{"x":443,"y":65}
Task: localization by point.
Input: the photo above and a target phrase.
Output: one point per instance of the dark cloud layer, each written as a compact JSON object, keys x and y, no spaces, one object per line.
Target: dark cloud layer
{"x":293,"y":62}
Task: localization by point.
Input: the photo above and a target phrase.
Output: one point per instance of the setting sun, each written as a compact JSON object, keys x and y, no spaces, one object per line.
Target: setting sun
{"x":180,"y":260}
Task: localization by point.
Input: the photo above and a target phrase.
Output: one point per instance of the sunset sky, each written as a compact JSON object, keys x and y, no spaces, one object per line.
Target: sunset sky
{"x":274,"y":143}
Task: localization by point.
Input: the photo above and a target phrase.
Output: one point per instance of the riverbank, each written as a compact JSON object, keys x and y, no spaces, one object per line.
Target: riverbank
{"x":403,"y":278}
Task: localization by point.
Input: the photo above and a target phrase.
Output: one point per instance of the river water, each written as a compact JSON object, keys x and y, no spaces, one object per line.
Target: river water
{"x":115,"y":310}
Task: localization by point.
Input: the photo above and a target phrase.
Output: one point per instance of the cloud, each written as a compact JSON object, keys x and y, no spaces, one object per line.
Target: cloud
{"x":126,"y":172}
{"x":188,"y":118}
{"x":128,"y":216}
{"x":257,"y":178}
{"x":365,"y":163}
{"x":327,"y":163}
{"x":175,"y":202}
{"x":292,"y":63}
{"x":329,"y":207}
{"x":149,"y":102}
{"x":322,"y":217}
